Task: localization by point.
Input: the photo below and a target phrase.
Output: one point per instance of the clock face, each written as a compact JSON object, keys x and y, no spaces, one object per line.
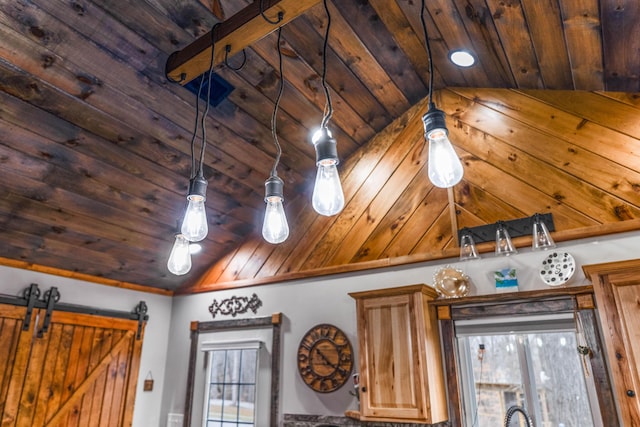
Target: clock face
{"x":325,"y":358}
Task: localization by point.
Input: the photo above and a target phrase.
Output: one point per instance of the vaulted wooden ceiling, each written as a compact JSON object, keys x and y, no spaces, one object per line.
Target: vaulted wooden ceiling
{"x":95,"y":141}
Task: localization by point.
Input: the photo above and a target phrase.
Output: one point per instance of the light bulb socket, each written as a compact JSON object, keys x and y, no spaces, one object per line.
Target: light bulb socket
{"x":434,"y":119}
{"x":198,"y":187}
{"x":326,"y":147}
{"x":273,"y":187}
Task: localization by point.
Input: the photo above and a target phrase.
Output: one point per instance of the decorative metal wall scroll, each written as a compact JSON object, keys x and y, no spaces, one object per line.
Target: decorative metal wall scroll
{"x":235,"y":305}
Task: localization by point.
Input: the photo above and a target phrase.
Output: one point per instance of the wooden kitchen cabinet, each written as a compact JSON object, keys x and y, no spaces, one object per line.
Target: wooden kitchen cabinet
{"x":617,"y":289}
{"x":400,"y":365}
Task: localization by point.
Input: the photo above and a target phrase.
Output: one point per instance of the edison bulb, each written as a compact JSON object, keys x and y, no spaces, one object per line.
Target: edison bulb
{"x":275,"y":228}
{"x":328,"y":198}
{"x":180,"y":258}
{"x":444,"y":166}
{"x":194,"y":227}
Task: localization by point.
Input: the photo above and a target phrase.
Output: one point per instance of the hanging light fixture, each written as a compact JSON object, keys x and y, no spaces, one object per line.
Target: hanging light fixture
{"x":444,"y":166}
{"x":468,"y":250}
{"x":504,"y":246}
{"x":328,"y":198}
{"x":194,"y":225}
{"x":275,"y":228}
{"x":179,"y":262}
{"x":541,"y":238}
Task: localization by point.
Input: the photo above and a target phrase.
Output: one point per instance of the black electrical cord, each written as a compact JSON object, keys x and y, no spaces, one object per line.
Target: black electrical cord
{"x":206,"y":109}
{"x":195,"y":132}
{"x":227,"y":49}
{"x":428,"y":46}
{"x":280,"y":15}
{"x":328,"y":107}
{"x":275,"y":108}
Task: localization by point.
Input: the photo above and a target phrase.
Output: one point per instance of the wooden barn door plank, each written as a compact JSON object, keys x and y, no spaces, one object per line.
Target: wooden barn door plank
{"x":11,"y":319}
{"x":75,"y":356}
{"x":39,"y":379}
{"x":17,"y":376}
{"x":95,"y":382}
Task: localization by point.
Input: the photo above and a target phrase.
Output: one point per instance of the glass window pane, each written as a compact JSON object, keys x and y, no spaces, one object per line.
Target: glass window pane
{"x":218,"y":359}
{"x":246,"y":403}
{"x":559,"y":380}
{"x":232,"y":388}
{"x":233,"y":366}
{"x":215,"y":402}
{"x":500,"y":371}
{"x":496,"y":378}
{"x":231,"y":405}
{"x":249,"y":366}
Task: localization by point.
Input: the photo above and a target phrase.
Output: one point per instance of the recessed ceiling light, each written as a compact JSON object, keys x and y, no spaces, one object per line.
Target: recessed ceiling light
{"x":462,"y":58}
{"x":194,"y":248}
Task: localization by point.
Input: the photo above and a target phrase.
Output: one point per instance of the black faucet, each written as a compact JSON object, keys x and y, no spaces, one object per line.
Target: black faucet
{"x":512,"y":410}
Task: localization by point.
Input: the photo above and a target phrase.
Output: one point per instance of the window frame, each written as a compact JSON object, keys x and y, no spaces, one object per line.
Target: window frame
{"x":578,"y":299}
{"x":209,"y":347}
{"x":519,"y":327}
{"x":274,"y":321}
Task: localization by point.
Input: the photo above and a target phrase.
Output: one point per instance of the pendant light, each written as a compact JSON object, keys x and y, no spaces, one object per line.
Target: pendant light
{"x":541,"y":238}
{"x":180,"y":258}
{"x":194,"y":225}
{"x":328,"y":198}
{"x":275,"y":228}
{"x":504,"y":246}
{"x":444,"y":166}
{"x":468,"y":250}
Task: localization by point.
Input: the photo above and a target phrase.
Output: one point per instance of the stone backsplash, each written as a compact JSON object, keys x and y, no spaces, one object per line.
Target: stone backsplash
{"x":297,"y":420}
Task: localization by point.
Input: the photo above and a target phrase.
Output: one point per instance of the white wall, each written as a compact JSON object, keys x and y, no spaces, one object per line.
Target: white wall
{"x":154,"y":348}
{"x":306,"y":303}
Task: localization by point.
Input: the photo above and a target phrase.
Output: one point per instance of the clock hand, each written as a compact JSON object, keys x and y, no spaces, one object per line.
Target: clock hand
{"x":326,"y":359}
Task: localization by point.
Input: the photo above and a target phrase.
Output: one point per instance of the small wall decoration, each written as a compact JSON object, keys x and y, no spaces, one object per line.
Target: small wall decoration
{"x":235,"y":305}
{"x":148,"y":383}
{"x":506,"y":280}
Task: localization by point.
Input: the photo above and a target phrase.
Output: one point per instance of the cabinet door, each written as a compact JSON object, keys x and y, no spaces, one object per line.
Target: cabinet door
{"x":617,"y":289}
{"x":390,"y":374}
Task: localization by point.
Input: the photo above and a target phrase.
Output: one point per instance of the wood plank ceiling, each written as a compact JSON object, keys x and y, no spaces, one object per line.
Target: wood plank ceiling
{"x":95,"y":142}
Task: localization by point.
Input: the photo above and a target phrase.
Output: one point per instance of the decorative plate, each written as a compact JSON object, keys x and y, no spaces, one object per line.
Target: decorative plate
{"x":451,"y":283}
{"x":557,"y":268}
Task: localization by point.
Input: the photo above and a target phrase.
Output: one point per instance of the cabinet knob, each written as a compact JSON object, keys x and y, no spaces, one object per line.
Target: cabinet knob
{"x":631,"y":393}
{"x":363,"y":389}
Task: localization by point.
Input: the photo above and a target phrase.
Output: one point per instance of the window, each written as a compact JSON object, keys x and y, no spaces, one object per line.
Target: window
{"x":230,"y":396}
{"x":530,"y":361}
{"x":263,"y":334}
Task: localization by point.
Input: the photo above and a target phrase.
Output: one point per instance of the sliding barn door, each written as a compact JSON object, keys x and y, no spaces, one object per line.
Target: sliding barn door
{"x":67,"y":371}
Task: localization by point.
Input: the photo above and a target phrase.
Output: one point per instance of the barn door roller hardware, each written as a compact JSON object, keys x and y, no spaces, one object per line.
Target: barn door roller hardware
{"x":51,"y":297}
{"x":31,"y":294}
{"x":50,"y":302}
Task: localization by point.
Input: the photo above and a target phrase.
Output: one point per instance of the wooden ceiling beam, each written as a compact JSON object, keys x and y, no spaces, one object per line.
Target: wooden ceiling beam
{"x":238,"y":32}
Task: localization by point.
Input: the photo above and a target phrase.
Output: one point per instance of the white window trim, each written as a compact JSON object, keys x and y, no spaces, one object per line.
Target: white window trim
{"x":231,"y":345}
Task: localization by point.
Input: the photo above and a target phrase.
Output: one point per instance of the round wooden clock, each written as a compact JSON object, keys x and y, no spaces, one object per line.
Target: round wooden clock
{"x":325,"y":358}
